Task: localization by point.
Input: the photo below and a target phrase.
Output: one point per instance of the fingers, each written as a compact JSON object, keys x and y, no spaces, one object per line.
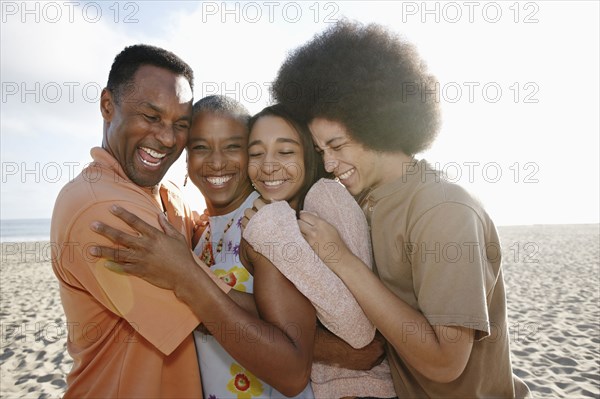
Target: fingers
{"x":117,"y":255}
{"x":117,"y":259}
{"x":196,"y":217}
{"x":116,"y":236}
{"x":133,"y":221}
{"x":259,"y":203}
{"x":309,"y":218}
{"x":123,"y":268}
{"x":307,"y":223}
{"x":115,"y":267}
{"x":248,"y":213}
{"x":200,"y":219}
{"x":168,"y":227}
{"x":305,"y":228}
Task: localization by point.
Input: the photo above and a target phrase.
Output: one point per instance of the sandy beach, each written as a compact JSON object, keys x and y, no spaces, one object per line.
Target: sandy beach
{"x":552,"y":278}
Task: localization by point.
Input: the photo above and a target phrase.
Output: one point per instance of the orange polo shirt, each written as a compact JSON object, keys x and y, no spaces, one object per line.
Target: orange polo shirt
{"x":127,"y":337}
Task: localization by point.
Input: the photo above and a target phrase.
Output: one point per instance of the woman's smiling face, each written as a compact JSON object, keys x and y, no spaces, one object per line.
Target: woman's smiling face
{"x":276,"y":159}
{"x":218,"y":160}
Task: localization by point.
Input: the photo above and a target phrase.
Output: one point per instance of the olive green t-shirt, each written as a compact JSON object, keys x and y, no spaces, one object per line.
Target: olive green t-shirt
{"x":437,"y":249}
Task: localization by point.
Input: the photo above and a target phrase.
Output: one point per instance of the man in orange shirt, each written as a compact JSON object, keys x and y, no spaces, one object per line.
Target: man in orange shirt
{"x":129,"y":338}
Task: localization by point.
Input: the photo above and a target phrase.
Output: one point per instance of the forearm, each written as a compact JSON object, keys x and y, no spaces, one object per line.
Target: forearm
{"x":331,"y":350}
{"x":404,"y":327}
{"x":261,"y":347}
{"x":328,"y":349}
{"x":244,"y":300}
{"x":336,"y":307}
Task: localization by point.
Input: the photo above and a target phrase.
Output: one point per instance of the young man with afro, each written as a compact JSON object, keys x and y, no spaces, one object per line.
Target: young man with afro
{"x":437,"y":294}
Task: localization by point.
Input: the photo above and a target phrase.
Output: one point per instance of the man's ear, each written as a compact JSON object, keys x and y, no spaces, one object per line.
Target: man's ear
{"x":107,"y":105}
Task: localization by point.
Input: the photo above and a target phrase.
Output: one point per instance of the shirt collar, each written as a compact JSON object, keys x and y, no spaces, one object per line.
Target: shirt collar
{"x":414,"y":173}
{"x":106,"y":160}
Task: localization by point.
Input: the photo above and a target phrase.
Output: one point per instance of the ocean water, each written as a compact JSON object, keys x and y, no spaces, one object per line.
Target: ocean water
{"x":19,"y":230}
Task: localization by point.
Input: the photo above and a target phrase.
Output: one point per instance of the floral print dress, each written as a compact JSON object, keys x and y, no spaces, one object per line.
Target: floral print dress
{"x":222,"y":376}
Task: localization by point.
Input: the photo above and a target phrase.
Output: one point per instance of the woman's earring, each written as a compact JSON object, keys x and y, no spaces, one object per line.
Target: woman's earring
{"x":253,"y":186}
{"x":185,"y":180}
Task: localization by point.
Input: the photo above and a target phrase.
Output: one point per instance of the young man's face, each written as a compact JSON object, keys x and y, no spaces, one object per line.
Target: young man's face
{"x":218,"y":160}
{"x":148,"y":128}
{"x":354,"y":165}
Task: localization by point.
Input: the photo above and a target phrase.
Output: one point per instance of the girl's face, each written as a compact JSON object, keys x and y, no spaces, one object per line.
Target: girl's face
{"x":218,"y":161}
{"x":276,"y":160}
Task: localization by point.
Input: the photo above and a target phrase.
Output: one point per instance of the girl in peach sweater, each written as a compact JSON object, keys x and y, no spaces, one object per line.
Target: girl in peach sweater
{"x":283,"y":166}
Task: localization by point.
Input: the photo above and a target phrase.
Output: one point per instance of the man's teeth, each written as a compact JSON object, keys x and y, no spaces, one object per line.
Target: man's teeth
{"x":273,"y":183}
{"x":149,"y":163}
{"x":153,"y":153}
{"x":219,"y":180}
{"x":346,"y":175}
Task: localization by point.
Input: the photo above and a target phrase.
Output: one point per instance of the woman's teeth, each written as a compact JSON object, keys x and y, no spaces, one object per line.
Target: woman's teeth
{"x":219,"y":180}
{"x":273,"y":183}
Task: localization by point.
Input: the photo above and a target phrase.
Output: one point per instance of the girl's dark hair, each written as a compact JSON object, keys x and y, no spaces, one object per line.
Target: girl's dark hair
{"x":313,"y":166}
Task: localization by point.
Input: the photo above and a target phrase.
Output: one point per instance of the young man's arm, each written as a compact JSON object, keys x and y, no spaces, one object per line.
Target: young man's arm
{"x":438,"y":352}
{"x":273,"y":232}
{"x":334,"y":351}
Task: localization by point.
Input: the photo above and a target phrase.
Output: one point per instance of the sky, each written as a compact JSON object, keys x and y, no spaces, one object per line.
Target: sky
{"x":518,"y":88}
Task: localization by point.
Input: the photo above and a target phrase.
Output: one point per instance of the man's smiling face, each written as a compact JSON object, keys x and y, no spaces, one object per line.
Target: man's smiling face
{"x":147,"y":128}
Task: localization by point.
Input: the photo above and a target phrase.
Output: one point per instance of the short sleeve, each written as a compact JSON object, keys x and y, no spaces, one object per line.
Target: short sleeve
{"x":155,"y":313}
{"x":451,"y":272}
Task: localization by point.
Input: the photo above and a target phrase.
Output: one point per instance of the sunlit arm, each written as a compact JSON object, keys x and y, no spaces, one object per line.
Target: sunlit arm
{"x":440,"y":353}
{"x":276,"y":348}
{"x":286,"y":357}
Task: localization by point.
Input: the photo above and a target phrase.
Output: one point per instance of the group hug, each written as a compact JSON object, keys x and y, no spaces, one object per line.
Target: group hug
{"x":319,"y":268}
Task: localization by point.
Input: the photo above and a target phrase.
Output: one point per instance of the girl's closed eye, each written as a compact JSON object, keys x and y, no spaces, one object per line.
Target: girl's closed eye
{"x":277,"y":158}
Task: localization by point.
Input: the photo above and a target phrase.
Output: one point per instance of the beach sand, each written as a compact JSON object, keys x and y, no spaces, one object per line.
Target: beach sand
{"x":552,"y":279}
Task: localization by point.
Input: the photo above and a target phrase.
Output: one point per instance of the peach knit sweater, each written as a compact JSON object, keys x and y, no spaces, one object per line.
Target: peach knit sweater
{"x":274,"y":233}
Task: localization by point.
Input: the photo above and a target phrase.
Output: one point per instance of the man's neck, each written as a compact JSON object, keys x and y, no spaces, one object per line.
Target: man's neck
{"x":394,"y":165}
{"x":155,"y":192}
